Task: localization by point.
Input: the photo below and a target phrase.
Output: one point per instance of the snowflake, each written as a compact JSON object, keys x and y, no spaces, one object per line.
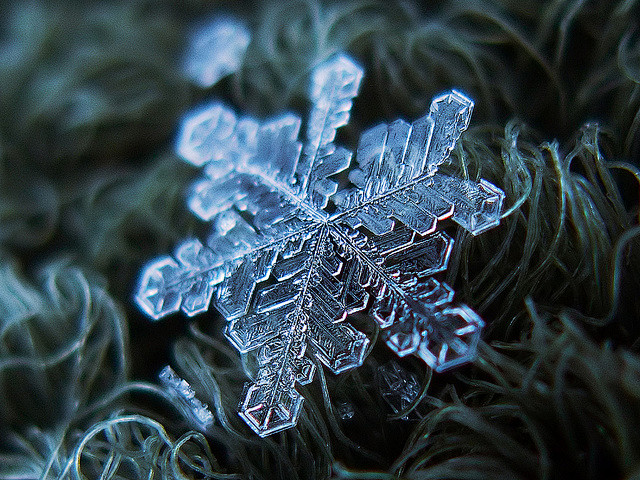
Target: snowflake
{"x":290,"y":256}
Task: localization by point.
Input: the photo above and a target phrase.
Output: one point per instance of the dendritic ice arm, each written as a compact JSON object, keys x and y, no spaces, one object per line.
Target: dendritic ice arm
{"x":271,"y":403}
{"x":397,"y":179}
{"x":334,"y":85}
{"x":186,"y":281}
{"x":413,"y":309}
{"x":299,"y":313}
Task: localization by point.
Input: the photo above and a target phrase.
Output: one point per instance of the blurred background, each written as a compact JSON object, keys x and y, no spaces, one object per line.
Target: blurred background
{"x":91,"y":97}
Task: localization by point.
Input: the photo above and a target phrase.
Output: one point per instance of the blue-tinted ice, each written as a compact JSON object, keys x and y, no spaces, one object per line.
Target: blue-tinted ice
{"x":286,"y":271}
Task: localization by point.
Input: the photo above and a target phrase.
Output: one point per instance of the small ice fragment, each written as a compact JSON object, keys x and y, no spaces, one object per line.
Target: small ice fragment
{"x":192,"y":408}
{"x":345,"y":410}
{"x":398,"y":387}
{"x":215,"y":50}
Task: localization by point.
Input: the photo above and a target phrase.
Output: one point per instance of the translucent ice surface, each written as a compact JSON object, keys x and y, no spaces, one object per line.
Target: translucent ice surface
{"x":290,"y":256}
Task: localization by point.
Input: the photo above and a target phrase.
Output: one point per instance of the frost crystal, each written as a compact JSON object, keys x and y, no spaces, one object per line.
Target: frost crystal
{"x":398,"y":387}
{"x":216,"y":49}
{"x":345,"y":410}
{"x":286,"y":271}
{"x":177,"y":388}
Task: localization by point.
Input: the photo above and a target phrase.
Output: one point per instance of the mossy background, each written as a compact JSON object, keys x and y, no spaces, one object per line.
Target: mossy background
{"x":91,"y":94}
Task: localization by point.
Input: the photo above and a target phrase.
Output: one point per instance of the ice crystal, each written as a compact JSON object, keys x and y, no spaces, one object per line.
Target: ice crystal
{"x":216,"y":49}
{"x":398,"y":387}
{"x":185,"y":398}
{"x":345,"y":410}
{"x":290,"y":257}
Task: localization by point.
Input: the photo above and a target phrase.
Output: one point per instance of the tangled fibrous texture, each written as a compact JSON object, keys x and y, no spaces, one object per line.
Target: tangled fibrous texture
{"x":90,"y":190}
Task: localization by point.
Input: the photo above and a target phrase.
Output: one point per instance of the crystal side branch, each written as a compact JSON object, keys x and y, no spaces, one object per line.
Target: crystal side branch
{"x":286,"y":273}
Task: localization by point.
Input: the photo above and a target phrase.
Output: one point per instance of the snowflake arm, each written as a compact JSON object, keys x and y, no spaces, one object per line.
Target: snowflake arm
{"x":397,"y":176}
{"x":334,"y":85}
{"x":186,"y":281}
